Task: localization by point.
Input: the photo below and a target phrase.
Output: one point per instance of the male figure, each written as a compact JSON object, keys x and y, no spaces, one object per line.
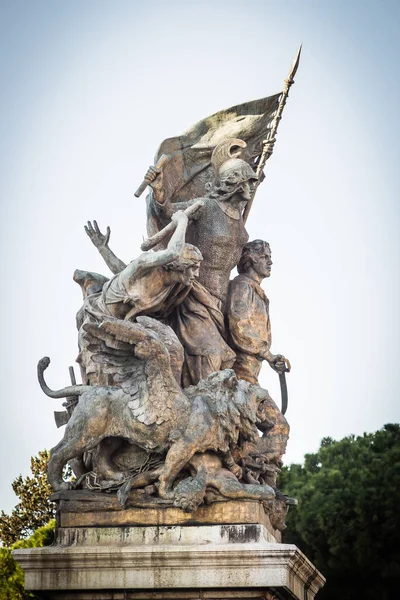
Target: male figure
{"x":248,"y":314}
{"x":163,"y":285}
{"x":250,"y":337}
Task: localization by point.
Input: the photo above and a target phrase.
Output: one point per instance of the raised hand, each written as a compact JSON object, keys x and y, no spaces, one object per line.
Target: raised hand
{"x":100,"y":240}
{"x":279,"y":363}
{"x":151,"y":174}
{"x":154,"y":178}
{"x":179,"y":217}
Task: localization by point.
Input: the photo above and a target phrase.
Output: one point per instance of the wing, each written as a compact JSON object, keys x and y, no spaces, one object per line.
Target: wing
{"x":140,"y":356}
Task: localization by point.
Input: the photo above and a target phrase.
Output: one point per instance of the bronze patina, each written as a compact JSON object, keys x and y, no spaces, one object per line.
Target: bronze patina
{"x":170,"y":412}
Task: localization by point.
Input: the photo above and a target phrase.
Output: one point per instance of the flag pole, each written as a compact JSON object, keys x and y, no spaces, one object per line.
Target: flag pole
{"x":268,"y":144}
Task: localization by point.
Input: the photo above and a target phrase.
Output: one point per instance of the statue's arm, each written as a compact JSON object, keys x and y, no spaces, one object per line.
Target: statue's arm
{"x":101,"y":240}
{"x":184,"y":205}
{"x":154,"y":178}
{"x":161,"y":203}
{"x":151,"y":260}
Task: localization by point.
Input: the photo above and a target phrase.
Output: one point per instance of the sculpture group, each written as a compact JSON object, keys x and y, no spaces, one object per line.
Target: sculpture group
{"x":171,"y":346}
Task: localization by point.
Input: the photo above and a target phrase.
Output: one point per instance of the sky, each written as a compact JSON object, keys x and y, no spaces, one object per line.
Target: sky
{"x":89,"y":89}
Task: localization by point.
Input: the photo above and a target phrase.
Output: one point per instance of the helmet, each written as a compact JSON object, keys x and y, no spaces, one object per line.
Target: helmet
{"x":237,"y":170}
{"x":228,"y":164}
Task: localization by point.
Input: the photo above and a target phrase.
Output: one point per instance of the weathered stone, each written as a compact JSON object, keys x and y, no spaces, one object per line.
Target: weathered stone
{"x":84,"y":513}
{"x":153,"y":328}
{"x":236,"y":560}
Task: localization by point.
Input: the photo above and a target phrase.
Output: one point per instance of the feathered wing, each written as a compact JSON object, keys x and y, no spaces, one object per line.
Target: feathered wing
{"x":138,"y":358}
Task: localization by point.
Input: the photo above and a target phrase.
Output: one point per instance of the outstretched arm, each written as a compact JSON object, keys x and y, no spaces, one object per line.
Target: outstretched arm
{"x":150,"y":260}
{"x":101,"y":240}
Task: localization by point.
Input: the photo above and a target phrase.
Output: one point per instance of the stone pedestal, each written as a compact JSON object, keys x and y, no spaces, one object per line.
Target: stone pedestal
{"x":92,"y":561}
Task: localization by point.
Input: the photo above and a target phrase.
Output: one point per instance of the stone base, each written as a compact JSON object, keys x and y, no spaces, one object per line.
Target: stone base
{"x":224,"y":551}
{"x":163,"y":562}
{"x":200,"y":594}
{"x":88,"y":509}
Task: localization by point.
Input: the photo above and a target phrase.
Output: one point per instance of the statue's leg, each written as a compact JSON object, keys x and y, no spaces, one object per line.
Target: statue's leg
{"x":247,"y":367}
{"x":146,"y":478}
{"x":199,"y":367}
{"x":177,"y":458}
{"x":59,"y":456}
{"x":275,"y":430}
{"x":78,"y":466}
{"x":230,"y":487}
{"x":83,"y":432}
{"x":103,"y":463}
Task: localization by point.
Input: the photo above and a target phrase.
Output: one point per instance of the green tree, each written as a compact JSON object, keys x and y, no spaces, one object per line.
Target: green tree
{"x":34,"y":508}
{"x":31,"y":524}
{"x":11,"y":575}
{"x":348,"y":518}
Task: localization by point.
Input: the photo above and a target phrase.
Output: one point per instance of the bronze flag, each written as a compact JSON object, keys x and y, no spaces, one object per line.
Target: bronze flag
{"x":189,"y":166}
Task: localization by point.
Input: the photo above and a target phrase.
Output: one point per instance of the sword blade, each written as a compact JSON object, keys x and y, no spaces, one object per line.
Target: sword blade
{"x":284,"y":393}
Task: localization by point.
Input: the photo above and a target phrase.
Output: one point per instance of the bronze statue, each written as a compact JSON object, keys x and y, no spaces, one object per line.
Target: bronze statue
{"x":170,"y":350}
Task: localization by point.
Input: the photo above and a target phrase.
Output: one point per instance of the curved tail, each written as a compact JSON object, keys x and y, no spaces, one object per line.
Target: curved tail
{"x":71,"y":390}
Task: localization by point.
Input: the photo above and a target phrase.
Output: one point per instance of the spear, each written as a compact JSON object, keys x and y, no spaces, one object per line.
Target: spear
{"x":268,"y":144}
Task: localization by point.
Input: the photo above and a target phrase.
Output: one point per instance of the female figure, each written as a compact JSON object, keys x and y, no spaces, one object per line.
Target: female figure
{"x":219,"y":231}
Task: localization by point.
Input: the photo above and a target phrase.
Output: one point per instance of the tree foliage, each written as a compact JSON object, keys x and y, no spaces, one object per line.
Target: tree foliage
{"x":33,"y":509}
{"x":11,"y":574}
{"x":348,"y":518}
{"x":30,"y":525}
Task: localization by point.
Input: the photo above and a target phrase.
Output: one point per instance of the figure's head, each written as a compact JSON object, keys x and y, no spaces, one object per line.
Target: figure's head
{"x":236,"y":174}
{"x":186,"y":267}
{"x":233,"y":175}
{"x":256,"y":258}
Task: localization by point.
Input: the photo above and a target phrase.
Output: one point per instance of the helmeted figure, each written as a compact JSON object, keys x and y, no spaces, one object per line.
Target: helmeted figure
{"x":219,"y":230}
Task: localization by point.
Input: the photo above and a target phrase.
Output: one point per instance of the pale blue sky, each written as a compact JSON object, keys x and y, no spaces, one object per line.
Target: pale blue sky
{"x":89,"y":90}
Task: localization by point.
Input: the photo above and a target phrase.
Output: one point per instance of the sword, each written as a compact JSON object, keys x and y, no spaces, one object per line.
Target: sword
{"x":282,"y":381}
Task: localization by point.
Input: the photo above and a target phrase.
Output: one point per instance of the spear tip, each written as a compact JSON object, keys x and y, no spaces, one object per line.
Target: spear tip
{"x":295,"y":64}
